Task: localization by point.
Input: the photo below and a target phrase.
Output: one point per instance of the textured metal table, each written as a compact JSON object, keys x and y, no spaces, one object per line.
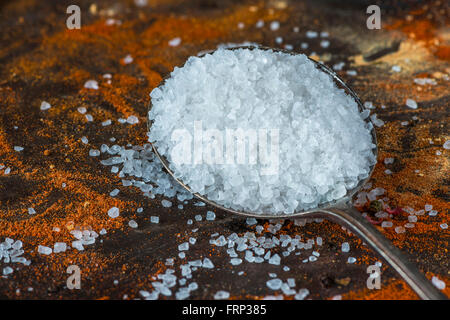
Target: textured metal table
{"x":41,"y":60}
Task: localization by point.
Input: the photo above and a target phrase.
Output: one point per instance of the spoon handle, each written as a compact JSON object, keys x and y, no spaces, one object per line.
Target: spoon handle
{"x":351,"y":218}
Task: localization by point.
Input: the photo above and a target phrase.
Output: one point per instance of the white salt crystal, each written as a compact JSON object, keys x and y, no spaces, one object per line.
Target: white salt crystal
{"x":319,"y":241}
{"x":133,"y":224}
{"x":89,"y":117}
{"x":128,"y":59}
{"x":324,"y":43}
{"x":31,"y":211}
{"x":166,"y":203}
{"x":438,"y":283}
{"x":274,"y":284}
{"x":84,"y":140}
{"x":311,"y":34}
{"x":274,"y":25}
{"x":444,"y":226}
{"x":259,"y":24}
{"x":386,"y":224}
{"x":59,"y":247}
{"x":345,"y":247}
{"x":154,"y":219}
{"x":221,"y":295}
{"x":302,"y":294}
{"x":236,"y":261}
{"x":184,"y":246}
{"x":207,"y":263}
{"x":351,"y":260}
{"x":411,"y":103}
{"x":7,"y":271}
{"x":106,"y":123}
{"x":91,"y":84}
{"x":114,"y":193}
{"x":210,"y":216}
{"x":275,"y":259}
{"x":396,"y":68}
{"x":198,"y":217}
{"x":132,"y":120}
{"x":432,"y":213}
{"x":81,"y":110}
{"x":175,"y":42}
{"x":399,"y":229}
{"x":44,"y":250}
{"x":447,"y":144}
{"x":388,"y":160}
{"x":45,"y":105}
{"x":113,"y":212}
{"x":18,"y":149}
{"x":94,"y":153}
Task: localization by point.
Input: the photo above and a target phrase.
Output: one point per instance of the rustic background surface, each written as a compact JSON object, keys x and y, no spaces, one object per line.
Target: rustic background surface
{"x":40,"y":59}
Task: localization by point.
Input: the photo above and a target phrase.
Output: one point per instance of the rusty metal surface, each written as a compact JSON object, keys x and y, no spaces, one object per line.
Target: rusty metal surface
{"x":41,"y":60}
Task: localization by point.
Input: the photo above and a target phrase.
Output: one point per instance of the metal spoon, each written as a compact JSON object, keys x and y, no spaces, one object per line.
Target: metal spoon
{"x":342,"y":210}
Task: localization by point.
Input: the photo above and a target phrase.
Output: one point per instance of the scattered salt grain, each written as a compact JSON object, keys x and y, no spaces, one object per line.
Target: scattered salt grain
{"x":175,"y":42}
{"x":438,"y":283}
{"x":59,"y":247}
{"x":91,"y":84}
{"x":236,"y":261}
{"x":128,"y":59}
{"x":113,"y":212}
{"x":44,"y":250}
{"x":210,"y":216}
{"x":31,"y":211}
{"x":351,"y":260}
{"x":154,"y":219}
{"x":132,"y":120}
{"x":311,"y":34}
{"x":324,"y":43}
{"x":133,"y":224}
{"x":411,"y":103}
{"x":259,"y":24}
{"x":84,"y":140}
{"x":447,"y":145}
{"x":221,"y":295}
{"x":345,"y":247}
{"x":274,"y":25}
{"x":45,"y":105}
{"x":94,"y":153}
{"x":444,"y":226}
{"x":274,"y":284}
{"x":166,"y":203}
{"x":18,"y":149}
{"x":114,"y":193}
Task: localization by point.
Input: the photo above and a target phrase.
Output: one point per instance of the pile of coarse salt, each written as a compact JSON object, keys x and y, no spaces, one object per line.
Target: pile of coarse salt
{"x":325,"y":145}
